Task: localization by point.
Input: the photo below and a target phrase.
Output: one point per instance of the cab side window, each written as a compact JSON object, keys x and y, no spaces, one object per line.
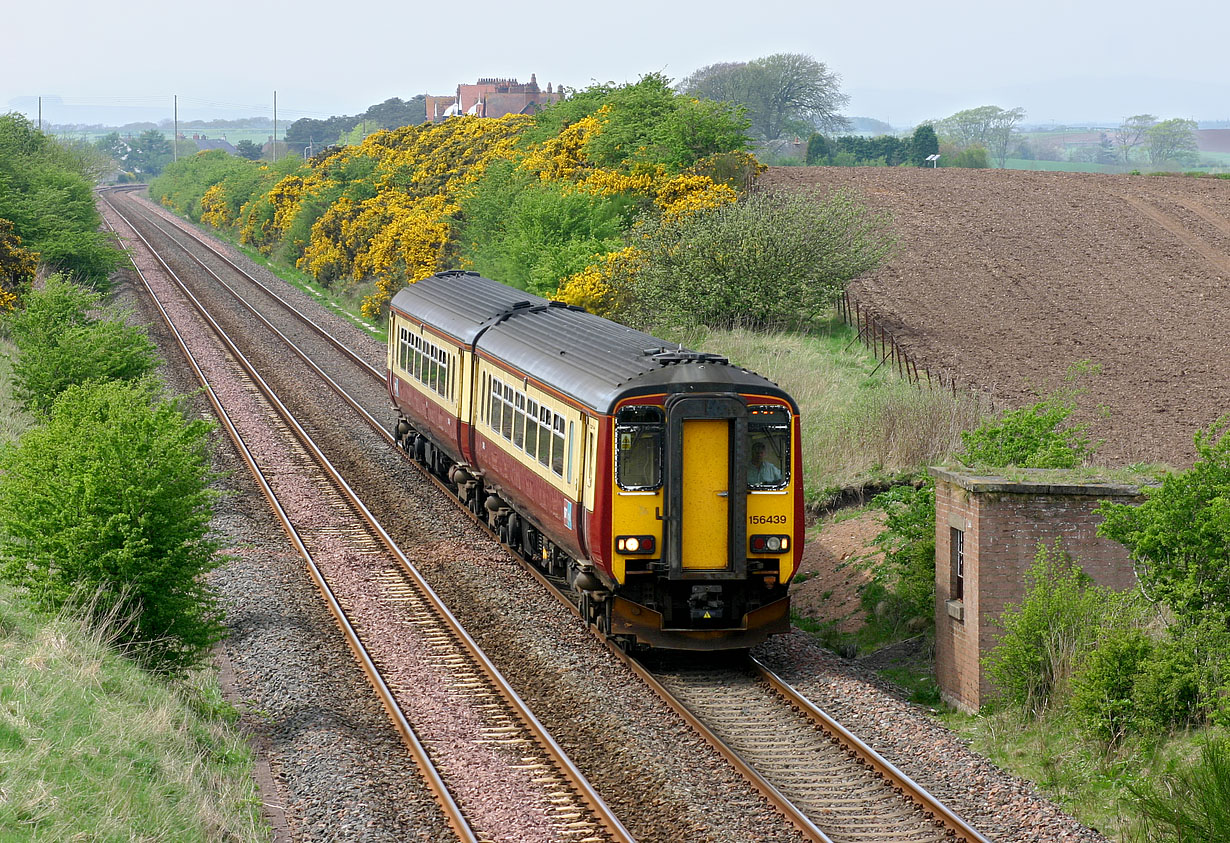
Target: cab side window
{"x":768,"y":448}
{"x":639,"y":436}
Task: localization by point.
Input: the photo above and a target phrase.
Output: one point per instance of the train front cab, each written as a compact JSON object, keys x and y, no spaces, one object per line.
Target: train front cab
{"x":704,"y":539}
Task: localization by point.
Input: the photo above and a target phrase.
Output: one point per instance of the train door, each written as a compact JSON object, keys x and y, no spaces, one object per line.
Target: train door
{"x":705,"y":522}
{"x":705,"y":515}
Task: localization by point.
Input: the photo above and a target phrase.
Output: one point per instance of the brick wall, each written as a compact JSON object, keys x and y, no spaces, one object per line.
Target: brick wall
{"x":1003,"y":522}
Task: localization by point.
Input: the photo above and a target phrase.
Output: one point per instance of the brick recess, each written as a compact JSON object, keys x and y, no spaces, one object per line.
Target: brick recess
{"x":1004,"y":521}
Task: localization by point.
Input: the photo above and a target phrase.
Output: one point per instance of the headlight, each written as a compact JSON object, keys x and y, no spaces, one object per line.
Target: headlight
{"x":635,"y":544}
{"x":769,"y":544}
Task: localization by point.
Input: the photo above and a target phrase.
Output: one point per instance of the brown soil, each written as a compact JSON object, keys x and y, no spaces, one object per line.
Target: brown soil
{"x":834,"y":569}
{"x":1005,"y":278}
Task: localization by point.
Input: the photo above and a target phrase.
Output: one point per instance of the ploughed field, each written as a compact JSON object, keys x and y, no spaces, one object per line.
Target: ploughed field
{"x":1004,"y":278}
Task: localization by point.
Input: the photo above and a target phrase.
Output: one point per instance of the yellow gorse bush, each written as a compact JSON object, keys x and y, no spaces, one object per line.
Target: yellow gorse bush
{"x":595,"y":288}
{"x":214,"y":210}
{"x":392,"y":199}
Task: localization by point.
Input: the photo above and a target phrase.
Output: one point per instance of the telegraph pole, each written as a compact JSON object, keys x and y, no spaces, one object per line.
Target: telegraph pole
{"x":175,"y":137}
{"x":275,"y":127}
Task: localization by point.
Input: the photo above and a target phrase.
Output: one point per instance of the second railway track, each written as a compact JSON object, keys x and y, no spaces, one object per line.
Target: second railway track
{"x":498,"y":774}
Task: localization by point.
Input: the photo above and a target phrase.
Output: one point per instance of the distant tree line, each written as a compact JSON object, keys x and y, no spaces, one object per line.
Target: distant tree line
{"x":881,"y":150}
{"x":393,"y":113}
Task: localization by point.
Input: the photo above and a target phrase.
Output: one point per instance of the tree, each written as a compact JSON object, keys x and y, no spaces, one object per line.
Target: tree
{"x":784,"y":92}
{"x":248,"y":149}
{"x":62,"y":341}
{"x":1131,"y":134}
{"x":109,"y":504}
{"x":923,"y":143}
{"x":150,"y":152}
{"x":1180,"y":536}
{"x":768,"y":261}
{"x":988,"y":126}
{"x":1172,"y":140}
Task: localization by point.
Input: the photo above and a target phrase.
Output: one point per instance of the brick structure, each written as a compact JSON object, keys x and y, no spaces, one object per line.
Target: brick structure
{"x":493,"y":98}
{"x":987,"y":532}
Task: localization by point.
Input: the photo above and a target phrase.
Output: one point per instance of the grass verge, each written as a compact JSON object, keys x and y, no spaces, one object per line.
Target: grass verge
{"x":93,"y":748}
{"x":1088,"y":780}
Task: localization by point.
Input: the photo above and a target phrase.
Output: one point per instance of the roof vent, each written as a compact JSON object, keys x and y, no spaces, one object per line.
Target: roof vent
{"x":682,"y":356}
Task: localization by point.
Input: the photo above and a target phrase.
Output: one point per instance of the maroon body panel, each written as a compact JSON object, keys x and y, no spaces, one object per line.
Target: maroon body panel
{"x":438,"y":422}
{"x":557,"y":514}
{"x":598,"y":527}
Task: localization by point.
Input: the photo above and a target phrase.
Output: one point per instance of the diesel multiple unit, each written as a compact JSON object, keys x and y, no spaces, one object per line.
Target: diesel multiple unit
{"x":664,"y":484}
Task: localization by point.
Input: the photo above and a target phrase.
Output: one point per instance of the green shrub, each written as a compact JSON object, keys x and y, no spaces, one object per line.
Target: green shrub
{"x":908,"y":542}
{"x":111,"y":497}
{"x":61,"y":341}
{"x":1191,"y":802}
{"x":1167,"y":690}
{"x":531,"y":234}
{"x":1046,"y":634}
{"x":46,"y":192}
{"x":647,"y":122}
{"x":1033,"y":437}
{"x":1104,"y":689}
{"x":768,"y":261}
{"x":1180,"y":535}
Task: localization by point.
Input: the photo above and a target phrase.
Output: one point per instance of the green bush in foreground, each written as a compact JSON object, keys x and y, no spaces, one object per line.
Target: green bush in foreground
{"x":1046,"y":634}
{"x":110,"y":497}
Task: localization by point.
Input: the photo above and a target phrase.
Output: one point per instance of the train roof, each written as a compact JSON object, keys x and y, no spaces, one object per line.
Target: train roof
{"x":461,"y":304}
{"x":593,"y":360}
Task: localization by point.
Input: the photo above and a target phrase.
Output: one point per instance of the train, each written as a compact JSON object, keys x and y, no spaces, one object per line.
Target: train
{"x":662,"y":486}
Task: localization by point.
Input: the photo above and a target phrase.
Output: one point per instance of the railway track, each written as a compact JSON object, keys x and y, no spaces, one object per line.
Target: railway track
{"x":825,"y":781}
{"x":432,"y":674}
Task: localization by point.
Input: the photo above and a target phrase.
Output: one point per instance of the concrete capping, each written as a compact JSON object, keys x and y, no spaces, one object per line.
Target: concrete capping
{"x":1049,"y":482}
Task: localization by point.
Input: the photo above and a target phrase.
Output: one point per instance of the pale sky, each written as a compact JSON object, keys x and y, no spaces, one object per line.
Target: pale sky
{"x":1063,"y":62}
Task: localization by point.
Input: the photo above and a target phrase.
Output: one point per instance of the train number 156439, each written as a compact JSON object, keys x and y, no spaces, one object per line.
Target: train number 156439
{"x":766,"y":519}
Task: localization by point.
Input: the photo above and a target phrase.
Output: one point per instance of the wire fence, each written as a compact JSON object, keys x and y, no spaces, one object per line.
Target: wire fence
{"x":884,"y":345}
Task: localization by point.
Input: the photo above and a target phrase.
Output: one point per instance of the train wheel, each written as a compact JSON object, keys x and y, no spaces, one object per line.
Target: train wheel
{"x":512,"y":532}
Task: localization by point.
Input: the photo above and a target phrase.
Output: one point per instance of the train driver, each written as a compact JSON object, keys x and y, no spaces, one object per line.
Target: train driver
{"x":759,"y":471}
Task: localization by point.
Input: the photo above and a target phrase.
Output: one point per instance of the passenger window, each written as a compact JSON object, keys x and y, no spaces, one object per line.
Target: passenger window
{"x":768,"y":448}
{"x":557,"y":452}
{"x":506,"y":426}
{"x":496,"y":404}
{"x":531,"y":428}
{"x":639,"y":433}
{"x":544,"y":436}
{"x":519,"y":422}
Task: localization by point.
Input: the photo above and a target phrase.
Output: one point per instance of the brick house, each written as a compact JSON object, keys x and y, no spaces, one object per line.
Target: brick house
{"x":492,"y":98}
{"x":987,"y":532}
